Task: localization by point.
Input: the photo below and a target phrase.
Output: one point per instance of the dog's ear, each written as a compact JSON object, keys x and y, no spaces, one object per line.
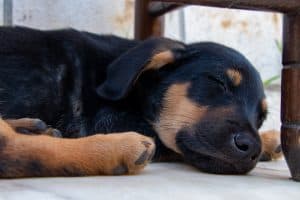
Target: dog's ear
{"x":150,"y":54}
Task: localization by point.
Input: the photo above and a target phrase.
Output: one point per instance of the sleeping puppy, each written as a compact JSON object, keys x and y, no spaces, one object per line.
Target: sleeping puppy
{"x":200,"y":103}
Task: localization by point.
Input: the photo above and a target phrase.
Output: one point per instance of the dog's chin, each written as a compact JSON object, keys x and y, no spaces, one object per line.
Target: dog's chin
{"x":214,"y":165}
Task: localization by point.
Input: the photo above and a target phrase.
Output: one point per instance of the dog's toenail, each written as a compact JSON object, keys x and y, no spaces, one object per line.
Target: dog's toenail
{"x":151,"y":155}
{"x":143,"y":157}
{"x":40,"y":125}
{"x":265,"y":157}
{"x":147,"y":144}
{"x":278,"y":149}
{"x":56,"y":133}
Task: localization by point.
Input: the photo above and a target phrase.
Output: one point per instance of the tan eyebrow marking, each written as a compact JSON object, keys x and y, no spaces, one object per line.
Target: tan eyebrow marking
{"x":235,"y":76}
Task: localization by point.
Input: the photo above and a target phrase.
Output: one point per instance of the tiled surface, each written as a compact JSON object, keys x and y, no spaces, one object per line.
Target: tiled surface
{"x":161,"y":181}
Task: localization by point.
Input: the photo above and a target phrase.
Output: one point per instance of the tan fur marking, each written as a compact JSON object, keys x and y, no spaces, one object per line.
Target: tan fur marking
{"x":235,"y":76}
{"x":264,"y":105}
{"x":160,"y":59}
{"x":270,"y":142}
{"x":93,"y":155}
{"x":178,"y":112}
{"x":157,"y":61}
{"x":5,"y":129}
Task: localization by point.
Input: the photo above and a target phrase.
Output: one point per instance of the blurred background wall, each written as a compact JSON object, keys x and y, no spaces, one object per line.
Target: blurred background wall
{"x":256,"y":34}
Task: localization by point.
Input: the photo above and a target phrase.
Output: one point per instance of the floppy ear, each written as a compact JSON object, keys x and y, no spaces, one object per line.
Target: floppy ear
{"x":150,"y":54}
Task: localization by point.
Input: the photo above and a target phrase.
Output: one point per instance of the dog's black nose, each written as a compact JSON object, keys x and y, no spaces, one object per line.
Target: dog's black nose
{"x":246,"y":146}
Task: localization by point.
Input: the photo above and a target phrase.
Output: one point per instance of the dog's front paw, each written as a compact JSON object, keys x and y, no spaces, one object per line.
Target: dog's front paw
{"x":32,"y":126}
{"x":271,"y":147}
{"x":135,"y":152}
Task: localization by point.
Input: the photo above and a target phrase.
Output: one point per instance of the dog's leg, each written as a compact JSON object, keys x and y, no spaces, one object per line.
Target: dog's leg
{"x":271,"y":148}
{"x":40,"y":155}
{"x":31,"y":126}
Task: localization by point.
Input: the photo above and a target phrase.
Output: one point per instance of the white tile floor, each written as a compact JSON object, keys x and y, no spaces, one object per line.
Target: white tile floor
{"x":161,"y":181}
{"x":167,"y":181}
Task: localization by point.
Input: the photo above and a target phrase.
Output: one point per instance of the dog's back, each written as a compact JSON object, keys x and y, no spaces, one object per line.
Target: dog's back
{"x":42,"y":71}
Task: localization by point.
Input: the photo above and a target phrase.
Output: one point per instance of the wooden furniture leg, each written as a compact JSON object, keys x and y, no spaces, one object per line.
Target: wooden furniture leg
{"x":290,"y":91}
{"x":145,"y":24}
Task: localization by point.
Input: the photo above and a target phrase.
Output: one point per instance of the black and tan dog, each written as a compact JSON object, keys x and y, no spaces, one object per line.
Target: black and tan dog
{"x":201,"y":103}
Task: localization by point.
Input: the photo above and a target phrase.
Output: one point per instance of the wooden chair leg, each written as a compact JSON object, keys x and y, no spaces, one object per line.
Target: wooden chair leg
{"x":145,"y":24}
{"x":290,"y":106}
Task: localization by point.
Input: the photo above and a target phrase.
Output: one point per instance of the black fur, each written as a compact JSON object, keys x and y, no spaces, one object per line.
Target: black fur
{"x":82,"y":84}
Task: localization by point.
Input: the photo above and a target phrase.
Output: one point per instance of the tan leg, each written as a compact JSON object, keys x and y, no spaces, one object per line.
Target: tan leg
{"x":40,"y":155}
{"x":32,"y":126}
{"x":271,"y":148}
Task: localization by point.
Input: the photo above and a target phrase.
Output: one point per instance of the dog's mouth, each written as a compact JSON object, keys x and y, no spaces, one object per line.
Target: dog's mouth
{"x":208,"y":159}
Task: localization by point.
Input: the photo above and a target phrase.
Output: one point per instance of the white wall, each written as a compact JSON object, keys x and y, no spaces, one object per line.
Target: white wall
{"x":252,"y":33}
{"x":1,"y":11}
{"x":97,"y":16}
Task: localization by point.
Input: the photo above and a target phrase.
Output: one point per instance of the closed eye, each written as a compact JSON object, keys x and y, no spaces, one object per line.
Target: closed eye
{"x":219,"y":81}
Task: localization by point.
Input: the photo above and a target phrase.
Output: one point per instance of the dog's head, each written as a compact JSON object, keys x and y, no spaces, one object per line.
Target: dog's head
{"x":206,"y":100}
